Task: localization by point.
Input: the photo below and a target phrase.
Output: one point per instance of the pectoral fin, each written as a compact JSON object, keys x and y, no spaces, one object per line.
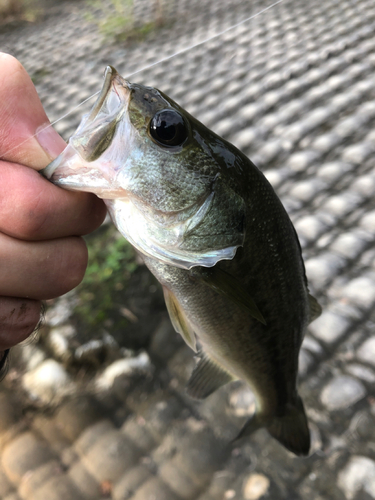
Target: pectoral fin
{"x":207,"y":376}
{"x":178,"y":318}
{"x":227,"y":285}
{"x":315,"y":308}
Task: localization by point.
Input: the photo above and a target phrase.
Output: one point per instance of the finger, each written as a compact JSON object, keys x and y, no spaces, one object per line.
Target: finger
{"x":18,"y":319}
{"x":42,"y":269}
{"x":43,"y":211}
{"x":22,"y":116}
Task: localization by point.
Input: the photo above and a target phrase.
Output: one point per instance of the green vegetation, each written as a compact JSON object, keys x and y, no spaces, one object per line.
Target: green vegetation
{"x":115,"y":19}
{"x":18,"y":10}
{"x":111,"y":262}
{"x":10,"y":8}
{"x":38,"y":75}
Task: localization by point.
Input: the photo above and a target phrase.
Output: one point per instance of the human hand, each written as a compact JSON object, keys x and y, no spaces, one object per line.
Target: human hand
{"x":42,"y":254}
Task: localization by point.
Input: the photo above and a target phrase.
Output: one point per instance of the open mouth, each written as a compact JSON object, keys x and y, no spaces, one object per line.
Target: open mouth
{"x":86,"y":163}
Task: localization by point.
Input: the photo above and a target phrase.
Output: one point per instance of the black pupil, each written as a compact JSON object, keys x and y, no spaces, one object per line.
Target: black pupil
{"x":168,"y":128}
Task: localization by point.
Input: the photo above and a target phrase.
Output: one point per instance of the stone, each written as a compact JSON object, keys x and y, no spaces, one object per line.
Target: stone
{"x":358,"y":153}
{"x":6,"y":486}
{"x":59,"y":341}
{"x":341,"y":392}
{"x":366,"y":351}
{"x":358,"y":475}
{"x":306,"y":190}
{"x":48,"y":381}
{"x":301,"y":160}
{"x":322,"y":269}
{"x":349,"y":245}
{"x":68,"y":457}
{"x":130,"y":482}
{"x":160,"y":416}
{"x":91,"y":435}
{"x":276,"y":176}
{"x":361,"y":292}
{"x":309,"y":227}
{"x":305,"y":362}
{"x":326,"y":142}
{"x":58,"y":488}
{"x":48,"y":429}
{"x":341,"y":204}
{"x":84,"y":482}
{"x":24,"y":454}
{"x":182,"y":484}
{"x":362,"y":372}
{"x":200,"y":453}
{"x":329,"y":327}
{"x":62,"y":309}
{"x":165,"y":341}
{"x":251,"y":111}
{"x":12,"y":496}
{"x":333,"y":171}
{"x":35,"y":479}
{"x":310,"y":344}
{"x":124,"y":367}
{"x":255,"y":486}
{"x":78,"y":414}
{"x":32,"y":356}
{"x":137,"y":431}
{"x":10,"y":412}
{"x":368,"y":222}
{"x":154,"y":489}
{"x":270,"y":151}
{"x":242,"y":402}
{"x":364,"y":185}
{"x":110,"y":456}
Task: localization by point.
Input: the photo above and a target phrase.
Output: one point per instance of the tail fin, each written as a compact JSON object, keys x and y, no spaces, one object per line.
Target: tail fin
{"x":291,"y":429}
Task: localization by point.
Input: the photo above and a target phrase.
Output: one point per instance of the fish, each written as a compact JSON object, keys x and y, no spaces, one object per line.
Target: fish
{"x":212,"y":230}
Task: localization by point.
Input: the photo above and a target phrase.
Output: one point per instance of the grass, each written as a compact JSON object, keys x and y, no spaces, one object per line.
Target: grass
{"x":111,"y":263}
{"x":115,"y":19}
{"x":18,"y":10}
{"x":11,"y":8}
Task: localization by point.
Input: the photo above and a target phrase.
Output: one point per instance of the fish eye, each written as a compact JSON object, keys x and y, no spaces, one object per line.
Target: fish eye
{"x":168,"y":128}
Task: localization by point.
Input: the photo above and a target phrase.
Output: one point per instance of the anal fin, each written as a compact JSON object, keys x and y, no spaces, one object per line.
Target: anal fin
{"x":178,"y":318}
{"x":207,"y":376}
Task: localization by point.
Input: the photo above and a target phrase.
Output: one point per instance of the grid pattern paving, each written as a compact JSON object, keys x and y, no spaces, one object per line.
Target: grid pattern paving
{"x":294,"y":88}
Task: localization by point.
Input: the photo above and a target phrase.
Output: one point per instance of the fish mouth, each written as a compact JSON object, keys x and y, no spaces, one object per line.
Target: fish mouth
{"x":109,"y":75}
{"x":86,"y":163}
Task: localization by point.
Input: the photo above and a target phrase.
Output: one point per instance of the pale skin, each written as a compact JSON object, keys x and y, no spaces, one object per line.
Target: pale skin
{"x":42,"y":254}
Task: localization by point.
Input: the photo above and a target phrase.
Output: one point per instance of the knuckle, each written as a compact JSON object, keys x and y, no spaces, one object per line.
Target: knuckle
{"x":18,"y":319}
{"x":73,"y":264}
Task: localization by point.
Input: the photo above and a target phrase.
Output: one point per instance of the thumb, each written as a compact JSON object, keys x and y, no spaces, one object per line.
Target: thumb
{"x":23,"y":116}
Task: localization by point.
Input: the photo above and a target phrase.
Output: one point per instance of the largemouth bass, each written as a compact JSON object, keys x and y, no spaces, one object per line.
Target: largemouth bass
{"x":212,"y":230}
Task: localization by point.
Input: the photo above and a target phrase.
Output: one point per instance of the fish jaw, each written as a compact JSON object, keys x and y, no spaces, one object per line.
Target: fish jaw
{"x":93,"y":160}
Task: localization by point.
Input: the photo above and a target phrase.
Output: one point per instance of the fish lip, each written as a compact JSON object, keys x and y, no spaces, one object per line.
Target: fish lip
{"x":109,"y":75}
{"x":51,"y":167}
{"x":113,"y":83}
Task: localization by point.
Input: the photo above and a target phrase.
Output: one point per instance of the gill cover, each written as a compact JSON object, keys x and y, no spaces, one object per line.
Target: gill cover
{"x":125,"y":152}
